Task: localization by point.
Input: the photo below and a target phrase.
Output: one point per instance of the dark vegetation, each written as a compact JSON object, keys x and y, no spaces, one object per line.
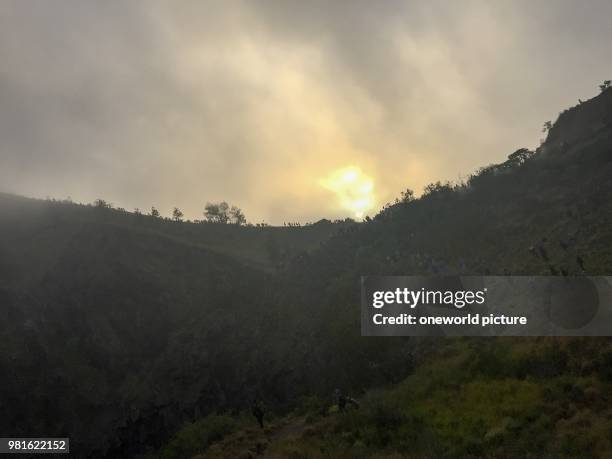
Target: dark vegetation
{"x":118,"y":328}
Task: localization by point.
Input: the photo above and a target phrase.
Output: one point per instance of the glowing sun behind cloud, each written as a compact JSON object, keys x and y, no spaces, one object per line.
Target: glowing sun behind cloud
{"x":354,"y":190}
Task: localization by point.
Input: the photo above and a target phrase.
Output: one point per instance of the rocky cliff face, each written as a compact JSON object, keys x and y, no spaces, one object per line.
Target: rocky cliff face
{"x":582,"y":123}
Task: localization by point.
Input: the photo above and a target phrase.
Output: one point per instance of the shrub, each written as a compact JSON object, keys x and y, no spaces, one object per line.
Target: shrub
{"x":195,"y":437}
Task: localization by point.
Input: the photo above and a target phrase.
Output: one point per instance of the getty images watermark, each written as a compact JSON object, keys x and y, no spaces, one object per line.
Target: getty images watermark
{"x":486,"y":306}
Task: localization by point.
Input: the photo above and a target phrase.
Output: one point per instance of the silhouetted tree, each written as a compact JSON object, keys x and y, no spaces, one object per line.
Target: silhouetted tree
{"x":606,"y":85}
{"x":236,"y":216}
{"x":154,"y":212}
{"x":102,"y":204}
{"x":216,"y":212}
{"x":547,"y":126}
{"x":437,"y":188}
{"x":407,"y":196}
{"x":177,"y":215}
{"x":519,"y":157}
{"x":222,"y":213}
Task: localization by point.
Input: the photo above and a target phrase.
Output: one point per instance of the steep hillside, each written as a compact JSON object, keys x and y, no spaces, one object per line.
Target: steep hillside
{"x":581,"y":124}
{"x":471,"y":398}
{"x":120,"y":327}
{"x":91,"y":333}
{"x":476,"y":397}
{"x":132,"y":322}
{"x":559,"y":200}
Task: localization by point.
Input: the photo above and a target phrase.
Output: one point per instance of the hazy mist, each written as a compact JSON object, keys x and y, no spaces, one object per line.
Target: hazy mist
{"x":256,"y":102}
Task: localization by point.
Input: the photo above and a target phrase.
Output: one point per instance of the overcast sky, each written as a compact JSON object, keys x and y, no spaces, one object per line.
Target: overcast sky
{"x":176,"y":103}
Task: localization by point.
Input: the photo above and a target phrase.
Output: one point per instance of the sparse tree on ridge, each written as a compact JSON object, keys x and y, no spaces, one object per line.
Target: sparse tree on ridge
{"x":606,"y":85}
{"x":519,"y":157}
{"x":102,"y":204}
{"x":436,"y":188}
{"x":177,"y":215}
{"x":236,"y":216}
{"x":154,"y":212}
{"x":222,"y":213}
{"x":407,"y":196}
{"x":216,"y":212}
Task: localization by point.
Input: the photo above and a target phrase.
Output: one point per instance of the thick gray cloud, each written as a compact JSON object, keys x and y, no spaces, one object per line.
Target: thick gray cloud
{"x":178,"y":103}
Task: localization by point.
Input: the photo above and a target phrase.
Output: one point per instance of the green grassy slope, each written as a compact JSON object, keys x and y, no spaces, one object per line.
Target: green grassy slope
{"x":502,"y":398}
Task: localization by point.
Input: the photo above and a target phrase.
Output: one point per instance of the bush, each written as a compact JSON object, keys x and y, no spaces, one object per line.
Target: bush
{"x":195,"y":437}
{"x":312,"y":406}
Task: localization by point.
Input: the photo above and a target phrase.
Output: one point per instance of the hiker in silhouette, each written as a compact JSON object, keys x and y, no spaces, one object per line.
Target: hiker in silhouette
{"x":258,"y":412}
{"x":343,"y":400}
{"x":351,"y":401}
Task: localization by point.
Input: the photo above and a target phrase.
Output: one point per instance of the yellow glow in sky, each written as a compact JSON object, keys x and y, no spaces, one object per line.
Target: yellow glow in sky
{"x":354,"y":190}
